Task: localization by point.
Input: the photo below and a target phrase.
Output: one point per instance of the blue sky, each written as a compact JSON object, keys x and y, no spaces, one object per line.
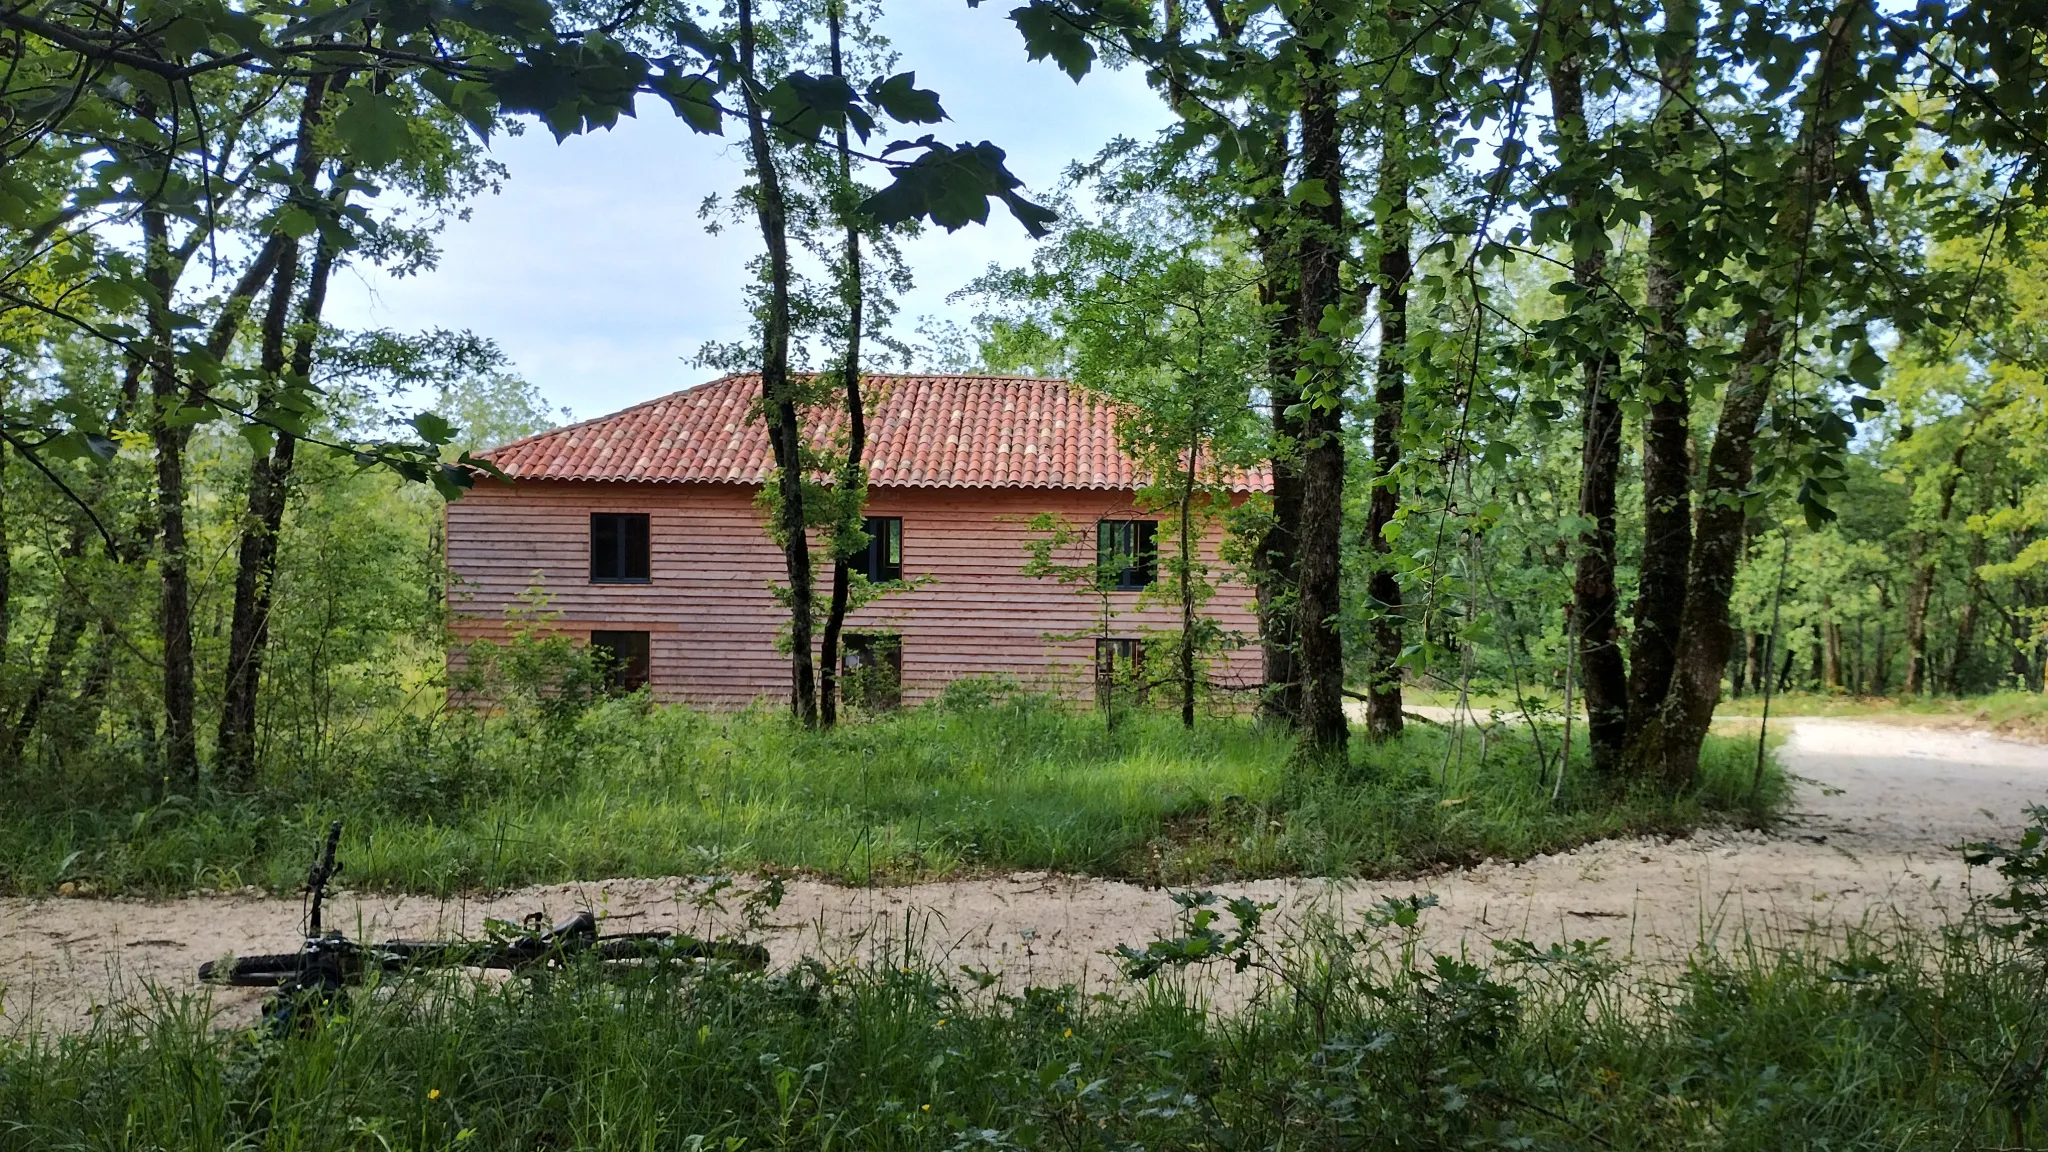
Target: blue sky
{"x":594,"y":273}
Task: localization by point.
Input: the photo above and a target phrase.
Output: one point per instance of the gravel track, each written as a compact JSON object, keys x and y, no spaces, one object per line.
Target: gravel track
{"x":1879,"y":812}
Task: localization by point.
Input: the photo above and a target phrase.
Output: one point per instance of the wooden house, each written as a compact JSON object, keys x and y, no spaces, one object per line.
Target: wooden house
{"x":643,"y":531}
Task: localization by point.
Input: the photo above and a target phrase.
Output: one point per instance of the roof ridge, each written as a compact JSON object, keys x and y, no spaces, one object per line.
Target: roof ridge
{"x":926,"y":429}
{"x":649,"y":403}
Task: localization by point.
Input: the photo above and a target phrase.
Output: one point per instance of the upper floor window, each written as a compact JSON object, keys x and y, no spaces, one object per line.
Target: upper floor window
{"x":884,"y":558}
{"x":618,"y":548}
{"x":1126,"y":553}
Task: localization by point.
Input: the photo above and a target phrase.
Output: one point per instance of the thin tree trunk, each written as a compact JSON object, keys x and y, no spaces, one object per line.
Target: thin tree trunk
{"x":852,"y":476}
{"x":1966,"y":624}
{"x":1319,"y":349}
{"x":1604,"y":678}
{"x":1273,"y":558}
{"x":270,"y":474}
{"x":1667,"y":384}
{"x":168,"y":436}
{"x":1831,"y":665}
{"x":1187,"y":580}
{"x":778,"y":391}
{"x":1920,"y":593}
{"x":1671,"y":741}
{"x":1390,"y":397}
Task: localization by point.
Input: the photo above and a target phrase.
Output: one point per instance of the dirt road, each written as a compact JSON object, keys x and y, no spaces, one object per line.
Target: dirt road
{"x":1880,"y":810}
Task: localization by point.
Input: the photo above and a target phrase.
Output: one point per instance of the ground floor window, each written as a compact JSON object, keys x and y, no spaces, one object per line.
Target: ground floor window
{"x":625,"y":658}
{"x":1119,"y":668}
{"x":871,"y":670}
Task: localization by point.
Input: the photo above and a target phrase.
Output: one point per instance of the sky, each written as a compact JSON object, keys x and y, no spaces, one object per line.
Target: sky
{"x":593,"y":271}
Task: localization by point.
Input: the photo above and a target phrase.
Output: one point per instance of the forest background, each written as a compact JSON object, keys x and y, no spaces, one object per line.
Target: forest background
{"x":1608,"y":357}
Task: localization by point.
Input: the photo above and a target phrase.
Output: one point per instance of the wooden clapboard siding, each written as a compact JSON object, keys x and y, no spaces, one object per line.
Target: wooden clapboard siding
{"x":713,"y":621}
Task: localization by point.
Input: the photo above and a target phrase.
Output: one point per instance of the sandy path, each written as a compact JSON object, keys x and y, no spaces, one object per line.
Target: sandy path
{"x":1879,"y":813}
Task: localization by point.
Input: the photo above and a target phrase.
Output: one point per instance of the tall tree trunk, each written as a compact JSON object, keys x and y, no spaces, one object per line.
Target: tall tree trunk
{"x":1603,"y":676}
{"x":1831,"y":636}
{"x":1752,"y":664}
{"x":256,"y":566}
{"x":1966,"y":624}
{"x":1187,"y":578}
{"x":1320,"y":352}
{"x":1390,"y":398}
{"x":1671,"y":741}
{"x":1273,"y":557}
{"x":168,"y":435}
{"x":1667,"y":384}
{"x":1920,"y":593}
{"x":778,"y":391}
{"x":270,"y":474}
{"x":853,"y":476}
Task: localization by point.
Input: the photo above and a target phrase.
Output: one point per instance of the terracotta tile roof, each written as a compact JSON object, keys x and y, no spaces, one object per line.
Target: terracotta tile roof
{"x":923,"y":431}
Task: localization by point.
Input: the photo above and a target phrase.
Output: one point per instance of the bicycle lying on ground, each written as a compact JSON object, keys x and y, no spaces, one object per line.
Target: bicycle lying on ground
{"x":329,"y":962}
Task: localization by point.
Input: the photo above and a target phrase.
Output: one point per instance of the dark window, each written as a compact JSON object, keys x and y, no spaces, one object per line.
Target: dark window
{"x":625,"y":658}
{"x":1126,"y":553}
{"x":618,"y":548}
{"x":1119,"y":667}
{"x":871,"y":675}
{"x":884,"y":558}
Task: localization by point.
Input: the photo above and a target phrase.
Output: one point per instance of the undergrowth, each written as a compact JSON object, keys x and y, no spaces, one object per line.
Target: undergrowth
{"x":548,"y":790}
{"x":1344,"y":1039}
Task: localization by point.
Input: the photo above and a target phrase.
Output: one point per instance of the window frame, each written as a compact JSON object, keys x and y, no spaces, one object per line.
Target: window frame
{"x":622,"y":531}
{"x":874,"y":563}
{"x":1141,"y":568}
{"x":624,"y":675}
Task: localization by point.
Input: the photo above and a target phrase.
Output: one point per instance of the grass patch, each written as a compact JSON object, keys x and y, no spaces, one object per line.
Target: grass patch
{"x":2013,"y":713}
{"x":621,"y":788}
{"x":1913,"y":1044}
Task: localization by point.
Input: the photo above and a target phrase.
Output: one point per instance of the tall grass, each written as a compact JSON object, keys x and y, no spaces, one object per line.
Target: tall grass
{"x":1914,"y":1044}
{"x":977,"y":782}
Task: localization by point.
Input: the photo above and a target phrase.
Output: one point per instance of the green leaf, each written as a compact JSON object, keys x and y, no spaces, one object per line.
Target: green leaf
{"x":904,"y":102}
{"x":296,"y":222}
{"x":433,"y":428}
{"x":1049,"y":33}
{"x":1313,"y":192}
{"x":805,"y":106}
{"x":372,"y":127}
{"x":952,"y":187}
{"x":694,"y":98}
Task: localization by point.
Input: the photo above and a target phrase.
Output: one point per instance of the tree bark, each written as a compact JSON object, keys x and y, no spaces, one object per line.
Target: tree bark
{"x":1603,"y":677}
{"x":1671,"y":741}
{"x":1966,"y":622}
{"x":270,"y":474}
{"x":1273,"y":557}
{"x":1667,"y":422}
{"x":168,"y":436}
{"x":1920,"y":593}
{"x":1390,"y":398}
{"x":852,"y":476}
{"x":1187,"y":579}
{"x":1320,"y":356}
{"x":778,"y":390}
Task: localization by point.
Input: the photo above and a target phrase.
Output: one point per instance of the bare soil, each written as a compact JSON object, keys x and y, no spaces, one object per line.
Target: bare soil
{"x":1880,"y":812}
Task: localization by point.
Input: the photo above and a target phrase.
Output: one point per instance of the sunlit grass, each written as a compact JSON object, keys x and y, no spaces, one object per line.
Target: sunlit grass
{"x":1021,"y":783}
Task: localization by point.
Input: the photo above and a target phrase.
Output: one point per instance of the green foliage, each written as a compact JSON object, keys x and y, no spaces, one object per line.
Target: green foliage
{"x":562,"y":782}
{"x":1357,"y":1040}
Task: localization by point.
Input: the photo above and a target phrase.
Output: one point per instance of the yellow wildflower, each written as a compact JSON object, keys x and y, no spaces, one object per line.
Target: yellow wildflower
{"x":433,"y":1093}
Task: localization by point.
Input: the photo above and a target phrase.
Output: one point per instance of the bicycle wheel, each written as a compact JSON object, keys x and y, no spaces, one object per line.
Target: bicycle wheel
{"x":272,"y":971}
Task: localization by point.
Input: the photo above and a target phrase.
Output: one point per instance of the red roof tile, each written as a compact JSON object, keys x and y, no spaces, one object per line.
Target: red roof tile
{"x":923,"y":432}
